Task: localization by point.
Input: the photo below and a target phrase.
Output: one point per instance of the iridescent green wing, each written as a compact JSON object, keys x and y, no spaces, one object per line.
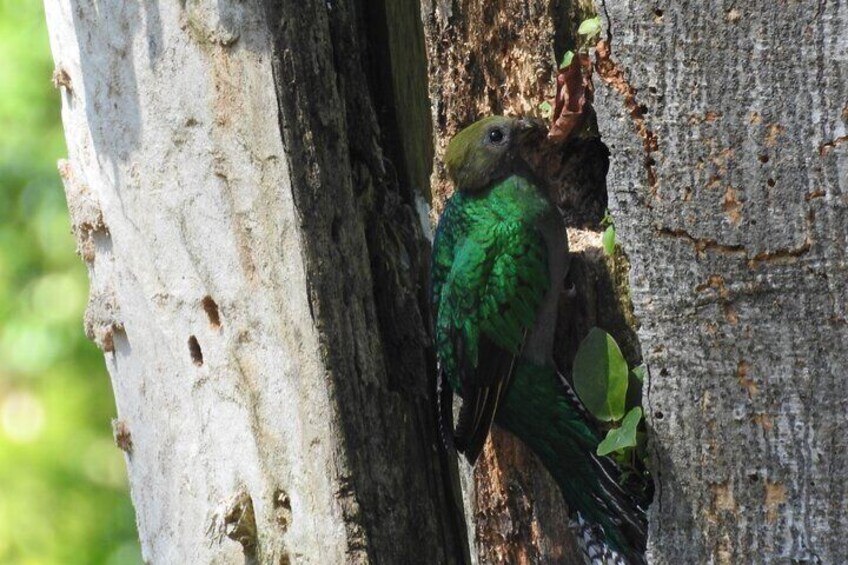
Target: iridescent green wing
{"x":451,"y":229}
{"x":487,"y":303}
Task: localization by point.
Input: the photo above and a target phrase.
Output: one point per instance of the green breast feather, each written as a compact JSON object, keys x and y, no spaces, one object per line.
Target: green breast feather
{"x":489,"y":274}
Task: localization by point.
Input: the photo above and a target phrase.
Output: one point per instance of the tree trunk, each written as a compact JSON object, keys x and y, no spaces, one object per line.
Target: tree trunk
{"x":246,"y":181}
{"x":242,"y":182}
{"x":729,"y":170}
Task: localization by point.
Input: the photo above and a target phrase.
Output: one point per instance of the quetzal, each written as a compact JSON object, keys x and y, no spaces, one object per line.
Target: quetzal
{"x":498,"y":266}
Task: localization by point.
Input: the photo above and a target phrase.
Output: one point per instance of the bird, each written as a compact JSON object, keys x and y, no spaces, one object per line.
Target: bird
{"x":499,"y":262}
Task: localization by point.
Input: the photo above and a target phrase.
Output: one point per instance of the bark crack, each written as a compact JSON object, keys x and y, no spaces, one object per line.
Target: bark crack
{"x":702,"y":245}
{"x":614,"y":76}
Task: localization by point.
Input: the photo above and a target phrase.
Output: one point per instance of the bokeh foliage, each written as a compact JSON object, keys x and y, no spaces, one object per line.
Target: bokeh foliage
{"x":63,"y":491}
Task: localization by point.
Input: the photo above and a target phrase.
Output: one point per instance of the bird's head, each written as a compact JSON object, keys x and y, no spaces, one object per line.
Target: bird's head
{"x":488,"y":150}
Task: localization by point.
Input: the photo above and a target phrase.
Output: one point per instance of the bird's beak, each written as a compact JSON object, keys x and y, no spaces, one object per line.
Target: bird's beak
{"x":529,"y":122}
{"x":530,"y":130}
{"x":530,"y":127}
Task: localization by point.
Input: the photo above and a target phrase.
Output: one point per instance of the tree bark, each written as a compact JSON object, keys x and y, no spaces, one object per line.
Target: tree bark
{"x":243,"y":180}
{"x":727,"y":128}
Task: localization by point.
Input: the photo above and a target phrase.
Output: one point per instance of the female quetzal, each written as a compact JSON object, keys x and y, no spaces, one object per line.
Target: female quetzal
{"x":499,"y":261}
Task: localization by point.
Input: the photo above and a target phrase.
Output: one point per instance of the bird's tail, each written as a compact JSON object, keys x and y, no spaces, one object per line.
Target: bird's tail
{"x":543,"y":411}
{"x":596,"y":550}
{"x":590,"y":535}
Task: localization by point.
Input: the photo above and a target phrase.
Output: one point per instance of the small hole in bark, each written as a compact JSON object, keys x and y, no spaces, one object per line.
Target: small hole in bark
{"x":643,"y":109}
{"x":753,"y":477}
{"x":770,"y":182}
{"x":282,"y":500}
{"x":211,"y":310}
{"x":282,"y":508}
{"x":658,"y":13}
{"x":652,"y":89}
{"x":195,"y":351}
{"x":123,"y":438}
{"x":659,"y":415}
{"x":764,"y":158}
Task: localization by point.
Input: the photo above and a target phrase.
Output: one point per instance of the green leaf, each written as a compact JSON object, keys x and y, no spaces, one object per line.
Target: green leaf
{"x":640,"y":372}
{"x":600,"y":376}
{"x":625,"y":436}
{"x":546,"y":109}
{"x":590,"y":27}
{"x":609,"y":240}
{"x":566,"y":59}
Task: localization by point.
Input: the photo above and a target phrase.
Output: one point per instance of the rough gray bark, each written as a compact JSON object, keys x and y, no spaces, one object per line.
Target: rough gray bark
{"x":729,"y":169}
{"x":242,"y":181}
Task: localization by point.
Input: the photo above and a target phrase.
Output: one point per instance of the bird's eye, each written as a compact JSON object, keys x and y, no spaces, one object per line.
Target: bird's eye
{"x":496,"y":135}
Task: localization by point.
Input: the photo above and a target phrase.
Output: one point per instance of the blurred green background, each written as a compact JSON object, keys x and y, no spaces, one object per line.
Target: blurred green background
{"x":63,"y":487}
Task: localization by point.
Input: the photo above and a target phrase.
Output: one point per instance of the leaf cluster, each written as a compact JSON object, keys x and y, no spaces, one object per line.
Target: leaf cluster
{"x":602,"y":380}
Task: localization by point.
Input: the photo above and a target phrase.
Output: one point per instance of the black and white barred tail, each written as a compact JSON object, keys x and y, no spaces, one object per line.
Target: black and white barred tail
{"x":590,"y":539}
